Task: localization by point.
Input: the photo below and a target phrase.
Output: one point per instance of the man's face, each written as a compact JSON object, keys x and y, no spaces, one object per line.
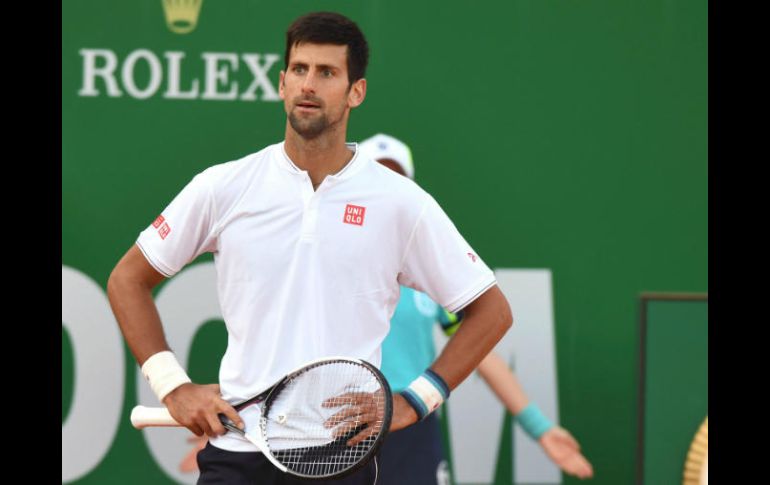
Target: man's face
{"x":315,"y":89}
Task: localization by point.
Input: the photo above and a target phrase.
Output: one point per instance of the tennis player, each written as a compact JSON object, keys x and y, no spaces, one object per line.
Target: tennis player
{"x":311,"y":241}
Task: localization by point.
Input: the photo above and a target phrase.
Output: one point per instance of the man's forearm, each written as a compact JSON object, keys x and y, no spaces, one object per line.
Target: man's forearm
{"x":486,"y":321}
{"x":130,"y":293}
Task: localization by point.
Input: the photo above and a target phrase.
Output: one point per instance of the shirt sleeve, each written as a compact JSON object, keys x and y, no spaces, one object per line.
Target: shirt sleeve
{"x":439,"y":262}
{"x":183,"y":231}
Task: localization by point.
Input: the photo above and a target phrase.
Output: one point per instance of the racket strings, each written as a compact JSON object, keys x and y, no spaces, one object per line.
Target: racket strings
{"x":308,"y":425}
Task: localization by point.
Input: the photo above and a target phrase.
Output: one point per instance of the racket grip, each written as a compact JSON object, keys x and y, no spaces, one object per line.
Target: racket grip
{"x":143,"y":416}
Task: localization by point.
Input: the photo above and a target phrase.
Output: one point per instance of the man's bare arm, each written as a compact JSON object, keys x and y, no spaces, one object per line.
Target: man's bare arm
{"x":485,"y":322}
{"x":129,"y":289}
{"x":130,"y":292}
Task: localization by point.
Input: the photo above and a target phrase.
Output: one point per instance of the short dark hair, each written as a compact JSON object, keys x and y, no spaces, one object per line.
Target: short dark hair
{"x":331,"y":28}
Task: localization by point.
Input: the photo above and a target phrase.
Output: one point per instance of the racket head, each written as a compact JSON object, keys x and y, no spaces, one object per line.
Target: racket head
{"x":308,"y":417}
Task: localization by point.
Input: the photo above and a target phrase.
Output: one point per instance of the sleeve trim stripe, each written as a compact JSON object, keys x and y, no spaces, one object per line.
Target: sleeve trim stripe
{"x":459,"y":303}
{"x":159,"y":267}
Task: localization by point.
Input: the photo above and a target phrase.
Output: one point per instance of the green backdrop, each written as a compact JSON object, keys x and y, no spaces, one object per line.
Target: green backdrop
{"x":673,"y":383}
{"x":561,"y":134}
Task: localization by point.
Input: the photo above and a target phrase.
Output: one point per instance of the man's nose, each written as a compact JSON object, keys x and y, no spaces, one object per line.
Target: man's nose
{"x":308,"y":84}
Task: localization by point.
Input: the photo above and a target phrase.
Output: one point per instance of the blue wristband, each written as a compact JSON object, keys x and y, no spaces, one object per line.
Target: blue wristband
{"x":419,"y":407}
{"x":437,"y":381}
{"x":533,"y":421}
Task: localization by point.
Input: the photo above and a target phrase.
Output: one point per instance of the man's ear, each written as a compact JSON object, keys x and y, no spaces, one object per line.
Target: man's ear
{"x":357,"y":93}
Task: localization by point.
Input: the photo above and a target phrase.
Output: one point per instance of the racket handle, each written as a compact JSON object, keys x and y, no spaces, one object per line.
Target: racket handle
{"x":143,"y":416}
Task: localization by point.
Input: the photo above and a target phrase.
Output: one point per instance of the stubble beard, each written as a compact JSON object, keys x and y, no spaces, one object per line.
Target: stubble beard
{"x":309,"y":129}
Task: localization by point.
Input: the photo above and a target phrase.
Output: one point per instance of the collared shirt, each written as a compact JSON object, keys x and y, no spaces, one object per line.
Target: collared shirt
{"x":304,"y":274}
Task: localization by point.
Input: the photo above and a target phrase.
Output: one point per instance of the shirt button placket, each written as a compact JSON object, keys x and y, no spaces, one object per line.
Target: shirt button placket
{"x":310,"y":216}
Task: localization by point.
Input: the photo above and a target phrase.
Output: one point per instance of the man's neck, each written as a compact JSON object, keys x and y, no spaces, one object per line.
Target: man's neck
{"x":324,"y":155}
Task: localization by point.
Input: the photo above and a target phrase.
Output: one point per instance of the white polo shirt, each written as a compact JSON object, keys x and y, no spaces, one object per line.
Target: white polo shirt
{"x":305,"y":274}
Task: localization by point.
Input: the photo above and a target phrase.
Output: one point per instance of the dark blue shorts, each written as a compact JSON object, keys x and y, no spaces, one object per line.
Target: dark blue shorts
{"x":414,"y":456}
{"x":218,"y":466}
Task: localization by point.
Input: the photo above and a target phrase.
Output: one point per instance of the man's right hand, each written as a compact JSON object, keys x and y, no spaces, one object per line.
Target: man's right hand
{"x":197,"y":407}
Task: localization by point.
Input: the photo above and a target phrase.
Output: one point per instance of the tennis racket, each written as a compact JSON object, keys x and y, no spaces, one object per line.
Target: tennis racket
{"x":308,"y":417}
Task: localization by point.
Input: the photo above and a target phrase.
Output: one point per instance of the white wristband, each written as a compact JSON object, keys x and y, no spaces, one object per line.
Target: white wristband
{"x":426,"y":393}
{"x":164,"y":373}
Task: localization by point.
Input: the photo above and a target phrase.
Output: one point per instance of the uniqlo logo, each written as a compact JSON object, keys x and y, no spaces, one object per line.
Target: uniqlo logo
{"x":164,"y":230}
{"x":354,"y":214}
{"x":157,"y":222}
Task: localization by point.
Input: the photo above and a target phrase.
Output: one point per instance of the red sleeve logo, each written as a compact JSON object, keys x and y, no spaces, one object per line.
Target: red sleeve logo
{"x":472,"y":256}
{"x":164,"y":230}
{"x":157,"y":222}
